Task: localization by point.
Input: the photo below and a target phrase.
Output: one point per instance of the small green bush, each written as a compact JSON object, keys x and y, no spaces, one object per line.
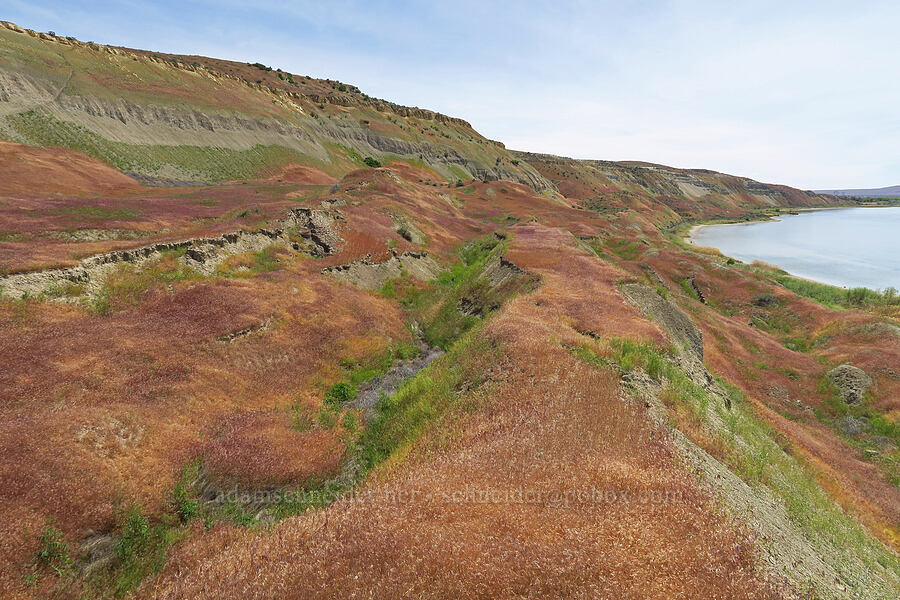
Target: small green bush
{"x":340,"y":393}
{"x":53,"y":551}
{"x":350,"y":422}
{"x":140,"y":552}
{"x":372,"y":162}
{"x":388,"y":290}
{"x":135,"y":535}
{"x":182,"y":497}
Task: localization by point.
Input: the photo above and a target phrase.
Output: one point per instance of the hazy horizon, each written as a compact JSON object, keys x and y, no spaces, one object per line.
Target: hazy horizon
{"x":800,"y":95}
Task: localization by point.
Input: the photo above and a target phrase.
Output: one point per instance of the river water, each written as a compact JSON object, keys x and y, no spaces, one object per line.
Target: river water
{"x":847,"y":247}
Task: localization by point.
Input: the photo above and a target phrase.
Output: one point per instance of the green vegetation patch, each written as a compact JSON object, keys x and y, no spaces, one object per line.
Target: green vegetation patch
{"x":861,"y":426}
{"x":625,"y":249}
{"x":53,"y":550}
{"x":10,"y":236}
{"x":203,"y":163}
{"x":356,"y":372}
{"x":836,"y":297}
{"x":142,"y":542}
{"x":421,"y":401}
{"x":400,"y":420}
{"x":459,"y":297}
{"x":64,"y":289}
{"x":248,"y":264}
{"x":99,"y":212}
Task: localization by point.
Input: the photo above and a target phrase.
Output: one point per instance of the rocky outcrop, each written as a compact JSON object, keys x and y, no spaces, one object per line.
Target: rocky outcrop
{"x":680,"y":188}
{"x":206,"y":254}
{"x":765,"y":301}
{"x":242,"y":333}
{"x":316,"y":228}
{"x":501,"y":271}
{"x":851,"y":382}
{"x":498,"y":281}
{"x":370,"y":275}
{"x":682,"y":332}
{"x":407,"y":230}
{"x":692,"y":282}
{"x":653,"y":276}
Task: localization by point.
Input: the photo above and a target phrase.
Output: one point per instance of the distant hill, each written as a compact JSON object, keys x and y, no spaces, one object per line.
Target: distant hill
{"x":885,"y":192}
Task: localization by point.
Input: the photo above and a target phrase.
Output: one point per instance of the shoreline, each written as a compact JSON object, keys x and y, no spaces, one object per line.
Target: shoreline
{"x":688,"y":238}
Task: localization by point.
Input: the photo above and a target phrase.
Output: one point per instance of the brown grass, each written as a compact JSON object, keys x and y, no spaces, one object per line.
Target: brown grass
{"x":99,"y":410}
{"x":544,"y":425}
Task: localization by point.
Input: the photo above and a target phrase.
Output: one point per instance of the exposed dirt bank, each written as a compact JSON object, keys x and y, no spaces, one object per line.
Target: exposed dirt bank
{"x":372,"y":275}
{"x":315,"y":227}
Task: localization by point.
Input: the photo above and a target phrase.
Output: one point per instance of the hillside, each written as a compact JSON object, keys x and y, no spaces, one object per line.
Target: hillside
{"x":240,"y":360}
{"x":162,"y":116}
{"x":683,"y":192}
{"x":885,"y":192}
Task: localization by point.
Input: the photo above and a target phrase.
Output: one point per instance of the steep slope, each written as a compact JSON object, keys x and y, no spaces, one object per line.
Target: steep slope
{"x":683,"y":193}
{"x":160,"y":116}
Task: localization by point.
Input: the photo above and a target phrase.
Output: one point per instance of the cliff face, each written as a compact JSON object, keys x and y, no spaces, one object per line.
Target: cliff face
{"x":687,"y":193}
{"x":192,"y":118}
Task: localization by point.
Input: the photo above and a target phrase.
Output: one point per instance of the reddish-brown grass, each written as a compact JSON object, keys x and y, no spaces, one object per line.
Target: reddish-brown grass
{"x":124,"y":400}
{"x":27,"y":171}
{"x":483,"y":512}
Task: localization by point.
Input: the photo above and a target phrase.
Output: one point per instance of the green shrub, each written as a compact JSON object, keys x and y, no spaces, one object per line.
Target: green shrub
{"x":836,"y":297}
{"x":53,"y":550}
{"x":388,"y":290}
{"x":350,"y":422}
{"x":266,"y":260}
{"x":135,"y":535}
{"x":182,"y":497}
{"x":339,"y":393}
{"x":140,"y":552}
{"x":371,"y":162}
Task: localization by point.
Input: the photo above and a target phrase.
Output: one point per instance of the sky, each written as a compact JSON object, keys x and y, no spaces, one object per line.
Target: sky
{"x":804,"y":93}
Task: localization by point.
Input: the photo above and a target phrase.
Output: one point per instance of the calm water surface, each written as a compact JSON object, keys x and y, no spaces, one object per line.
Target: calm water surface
{"x":848,"y":247}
